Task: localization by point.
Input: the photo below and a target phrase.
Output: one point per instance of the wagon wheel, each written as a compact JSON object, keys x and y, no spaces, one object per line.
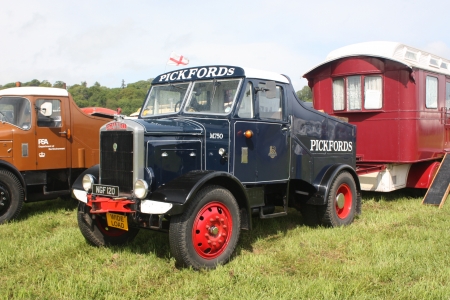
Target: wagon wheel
{"x":207,"y":232}
{"x":11,"y":196}
{"x":340,"y":209}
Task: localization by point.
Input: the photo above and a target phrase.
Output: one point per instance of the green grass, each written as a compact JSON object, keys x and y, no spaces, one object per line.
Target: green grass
{"x":397,"y":249}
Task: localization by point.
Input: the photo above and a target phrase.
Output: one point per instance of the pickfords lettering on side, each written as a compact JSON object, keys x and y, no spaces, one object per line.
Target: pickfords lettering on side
{"x":212,"y":147}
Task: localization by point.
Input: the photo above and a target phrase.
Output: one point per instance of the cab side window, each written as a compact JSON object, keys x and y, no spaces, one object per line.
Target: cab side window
{"x":246,"y":106}
{"x":271,"y":108}
{"x":53,"y":120}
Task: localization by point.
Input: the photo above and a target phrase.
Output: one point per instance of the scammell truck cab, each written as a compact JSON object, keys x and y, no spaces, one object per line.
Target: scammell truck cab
{"x":213,"y":146}
{"x":46,"y":141}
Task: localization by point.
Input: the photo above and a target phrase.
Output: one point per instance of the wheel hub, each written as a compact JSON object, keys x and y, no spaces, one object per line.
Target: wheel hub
{"x":4,"y":199}
{"x":213,"y":230}
{"x":340,"y":200}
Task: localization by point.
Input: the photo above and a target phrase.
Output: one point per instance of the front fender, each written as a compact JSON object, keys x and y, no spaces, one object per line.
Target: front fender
{"x":180,"y":191}
{"x":78,"y":183}
{"x":323,"y":182}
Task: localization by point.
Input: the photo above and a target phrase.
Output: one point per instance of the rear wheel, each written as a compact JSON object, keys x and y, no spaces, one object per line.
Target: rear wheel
{"x":207,"y":232}
{"x":11,"y":196}
{"x":340,"y":209}
{"x":96,"y":231}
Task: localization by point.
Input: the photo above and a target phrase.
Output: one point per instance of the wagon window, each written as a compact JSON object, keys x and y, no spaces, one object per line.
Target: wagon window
{"x":54,"y":120}
{"x":338,"y":94}
{"x":246,"y":106}
{"x":447,"y":95}
{"x":271,"y":108}
{"x":431,"y":92}
{"x":354,"y":92}
{"x":372,"y":92}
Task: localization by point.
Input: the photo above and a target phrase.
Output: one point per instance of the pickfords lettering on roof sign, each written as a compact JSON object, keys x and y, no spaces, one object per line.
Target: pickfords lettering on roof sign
{"x":200,"y":73}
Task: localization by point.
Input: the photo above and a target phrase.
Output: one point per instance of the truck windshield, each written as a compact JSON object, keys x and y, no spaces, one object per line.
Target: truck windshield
{"x":165,"y":99}
{"x":212,"y":97}
{"x":16,"y":111}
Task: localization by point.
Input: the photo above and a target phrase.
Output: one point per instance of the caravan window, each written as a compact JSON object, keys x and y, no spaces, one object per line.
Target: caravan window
{"x":358,"y":93}
{"x":447,"y":95}
{"x":372,"y":92}
{"x":431,"y":92}
{"x":354,"y":92}
{"x":338,"y":94}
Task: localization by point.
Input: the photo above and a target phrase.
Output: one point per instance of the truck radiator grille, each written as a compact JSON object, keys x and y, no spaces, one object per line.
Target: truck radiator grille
{"x":116,"y":159}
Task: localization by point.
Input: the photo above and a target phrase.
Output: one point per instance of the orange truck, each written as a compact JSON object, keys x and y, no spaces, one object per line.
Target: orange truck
{"x":46,"y":141}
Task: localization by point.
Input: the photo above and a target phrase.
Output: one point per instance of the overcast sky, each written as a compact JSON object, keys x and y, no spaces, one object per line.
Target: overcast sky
{"x":107,"y":41}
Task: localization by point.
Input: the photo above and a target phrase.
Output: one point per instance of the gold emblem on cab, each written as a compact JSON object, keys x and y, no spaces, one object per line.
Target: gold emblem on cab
{"x":273,"y":151}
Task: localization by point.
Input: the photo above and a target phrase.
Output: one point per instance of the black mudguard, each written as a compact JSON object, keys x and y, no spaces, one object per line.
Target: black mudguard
{"x":183,"y":189}
{"x":323,"y":182}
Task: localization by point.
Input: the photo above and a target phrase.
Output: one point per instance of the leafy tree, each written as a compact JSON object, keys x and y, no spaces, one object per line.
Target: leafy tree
{"x":45,"y":83}
{"x":8,"y":85}
{"x":128,"y":97}
{"x":33,"y":82}
{"x":58,"y":84}
{"x":305,"y":94}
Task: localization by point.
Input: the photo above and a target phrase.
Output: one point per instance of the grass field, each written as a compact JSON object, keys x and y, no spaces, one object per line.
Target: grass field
{"x":397,"y":249}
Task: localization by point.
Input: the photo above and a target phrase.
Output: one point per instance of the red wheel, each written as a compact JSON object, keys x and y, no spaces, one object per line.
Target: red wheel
{"x":207,"y":232}
{"x":344,"y":199}
{"x":212,"y":230}
{"x":340,"y":209}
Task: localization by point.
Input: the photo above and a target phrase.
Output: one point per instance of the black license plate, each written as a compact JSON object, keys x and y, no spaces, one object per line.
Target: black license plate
{"x":105,"y":190}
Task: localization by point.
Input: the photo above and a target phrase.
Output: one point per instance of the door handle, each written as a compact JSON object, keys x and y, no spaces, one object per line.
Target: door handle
{"x":63,"y":132}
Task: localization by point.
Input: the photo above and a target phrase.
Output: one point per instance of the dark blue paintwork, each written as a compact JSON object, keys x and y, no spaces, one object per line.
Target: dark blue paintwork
{"x":278,"y":152}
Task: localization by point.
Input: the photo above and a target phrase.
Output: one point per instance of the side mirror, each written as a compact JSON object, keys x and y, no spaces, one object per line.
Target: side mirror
{"x":270,"y":87}
{"x":46,"y":109}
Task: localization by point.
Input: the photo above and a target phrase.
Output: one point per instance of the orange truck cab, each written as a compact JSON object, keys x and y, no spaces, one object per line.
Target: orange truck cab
{"x":46,"y":141}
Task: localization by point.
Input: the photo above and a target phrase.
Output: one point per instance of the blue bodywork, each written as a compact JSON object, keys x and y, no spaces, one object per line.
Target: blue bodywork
{"x":290,"y":158}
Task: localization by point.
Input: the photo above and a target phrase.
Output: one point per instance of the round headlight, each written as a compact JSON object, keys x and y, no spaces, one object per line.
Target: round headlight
{"x":88,"y":181}
{"x":140,"y":189}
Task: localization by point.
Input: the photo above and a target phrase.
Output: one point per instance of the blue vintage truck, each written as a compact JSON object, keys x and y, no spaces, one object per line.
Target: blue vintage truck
{"x":212,"y":147}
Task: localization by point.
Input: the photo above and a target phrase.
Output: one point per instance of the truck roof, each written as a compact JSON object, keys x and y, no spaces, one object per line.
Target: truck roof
{"x":404,"y":54}
{"x":34,"y":90}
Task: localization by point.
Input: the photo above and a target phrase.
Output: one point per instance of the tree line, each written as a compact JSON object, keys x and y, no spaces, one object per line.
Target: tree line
{"x":129,"y":97}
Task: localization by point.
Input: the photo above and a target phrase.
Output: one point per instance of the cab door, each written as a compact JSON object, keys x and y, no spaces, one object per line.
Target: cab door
{"x":51,"y":141}
{"x":261,"y":136}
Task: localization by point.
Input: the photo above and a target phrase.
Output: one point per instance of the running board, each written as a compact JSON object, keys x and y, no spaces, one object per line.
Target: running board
{"x":274,"y":215}
{"x":55,"y":193}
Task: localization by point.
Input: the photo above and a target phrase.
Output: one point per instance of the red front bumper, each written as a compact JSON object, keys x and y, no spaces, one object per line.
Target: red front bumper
{"x":100,"y":205}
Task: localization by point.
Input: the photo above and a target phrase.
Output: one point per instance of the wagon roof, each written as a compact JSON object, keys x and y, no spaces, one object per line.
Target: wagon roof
{"x":404,"y":54}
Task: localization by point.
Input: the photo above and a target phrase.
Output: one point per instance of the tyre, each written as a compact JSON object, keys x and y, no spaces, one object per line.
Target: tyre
{"x":341,"y":206}
{"x":207,"y":232}
{"x":96,"y":231}
{"x":11,"y":196}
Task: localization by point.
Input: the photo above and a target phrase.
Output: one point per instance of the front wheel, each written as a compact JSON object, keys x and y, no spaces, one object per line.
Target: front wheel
{"x":341,"y":206}
{"x":11,"y":196}
{"x":96,"y":231}
{"x":207,"y":232}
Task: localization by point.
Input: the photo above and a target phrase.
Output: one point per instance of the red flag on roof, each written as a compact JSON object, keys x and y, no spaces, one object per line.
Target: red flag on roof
{"x":177,"y":60}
